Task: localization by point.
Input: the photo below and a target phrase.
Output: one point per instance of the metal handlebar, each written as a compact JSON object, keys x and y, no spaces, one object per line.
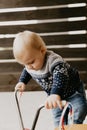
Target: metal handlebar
{"x":18,"y":107}
{"x":36,"y":115}
{"x":20,"y":115}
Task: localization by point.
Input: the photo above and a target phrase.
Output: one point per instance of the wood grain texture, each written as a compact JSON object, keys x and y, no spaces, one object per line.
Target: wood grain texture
{"x":25,"y":3}
{"x":43,"y":14}
{"x":44,"y":27}
{"x":52,"y":20}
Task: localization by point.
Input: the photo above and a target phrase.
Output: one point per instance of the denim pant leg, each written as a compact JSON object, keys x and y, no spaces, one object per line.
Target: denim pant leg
{"x":80,"y":109}
{"x":79,"y":106}
{"x":56,"y":116}
{"x":79,"y":102}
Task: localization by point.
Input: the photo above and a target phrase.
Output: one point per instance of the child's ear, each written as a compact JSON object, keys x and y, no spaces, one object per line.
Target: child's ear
{"x":43,"y":50}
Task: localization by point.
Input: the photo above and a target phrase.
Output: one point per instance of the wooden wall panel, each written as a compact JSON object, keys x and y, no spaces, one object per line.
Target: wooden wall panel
{"x":6,"y":42}
{"x":43,"y":14}
{"x":15,"y":67}
{"x":65,"y":39}
{"x":80,"y":65}
{"x":10,"y":67}
{"x":64,"y":52}
{"x":44,"y":27}
{"x":6,"y":54}
{"x":72,"y":52}
{"x":52,"y":40}
{"x":9,"y":80}
{"x":59,"y":22}
{"x":25,"y":3}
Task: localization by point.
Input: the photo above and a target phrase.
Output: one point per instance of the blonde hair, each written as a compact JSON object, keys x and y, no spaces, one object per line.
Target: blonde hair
{"x":27,"y":39}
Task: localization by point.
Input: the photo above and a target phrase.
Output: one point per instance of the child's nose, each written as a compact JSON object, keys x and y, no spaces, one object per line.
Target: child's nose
{"x":30,"y":67}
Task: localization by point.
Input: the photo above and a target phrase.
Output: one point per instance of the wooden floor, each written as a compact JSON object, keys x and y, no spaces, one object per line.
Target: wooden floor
{"x":30,"y":101}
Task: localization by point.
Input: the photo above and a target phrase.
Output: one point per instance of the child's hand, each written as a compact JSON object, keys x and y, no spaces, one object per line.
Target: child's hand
{"x":20,"y":86}
{"x":53,"y":101}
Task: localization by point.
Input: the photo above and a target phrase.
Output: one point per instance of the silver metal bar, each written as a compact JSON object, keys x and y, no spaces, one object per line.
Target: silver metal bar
{"x":36,"y":117}
{"x":19,"y":111}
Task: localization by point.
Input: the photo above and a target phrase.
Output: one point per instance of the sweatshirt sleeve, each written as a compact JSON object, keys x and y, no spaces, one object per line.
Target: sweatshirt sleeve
{"x":60,"y":79}
{"x":25,"y":77}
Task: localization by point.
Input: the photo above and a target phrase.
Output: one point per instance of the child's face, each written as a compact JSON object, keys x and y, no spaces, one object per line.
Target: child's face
{"x":33,"y":59}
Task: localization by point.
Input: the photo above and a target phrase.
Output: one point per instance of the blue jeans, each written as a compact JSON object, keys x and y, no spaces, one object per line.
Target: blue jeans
{"x":78,"y":100}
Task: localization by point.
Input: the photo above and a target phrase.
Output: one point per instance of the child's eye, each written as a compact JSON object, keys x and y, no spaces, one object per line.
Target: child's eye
{"x":31,"y":62}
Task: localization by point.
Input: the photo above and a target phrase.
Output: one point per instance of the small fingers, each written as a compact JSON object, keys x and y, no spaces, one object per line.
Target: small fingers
{"x":59,"y":103}
{"x":54,"y":101}
{"x":50,"y":105}
{"x":20,"y":87}
{"x":47,"y":105}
